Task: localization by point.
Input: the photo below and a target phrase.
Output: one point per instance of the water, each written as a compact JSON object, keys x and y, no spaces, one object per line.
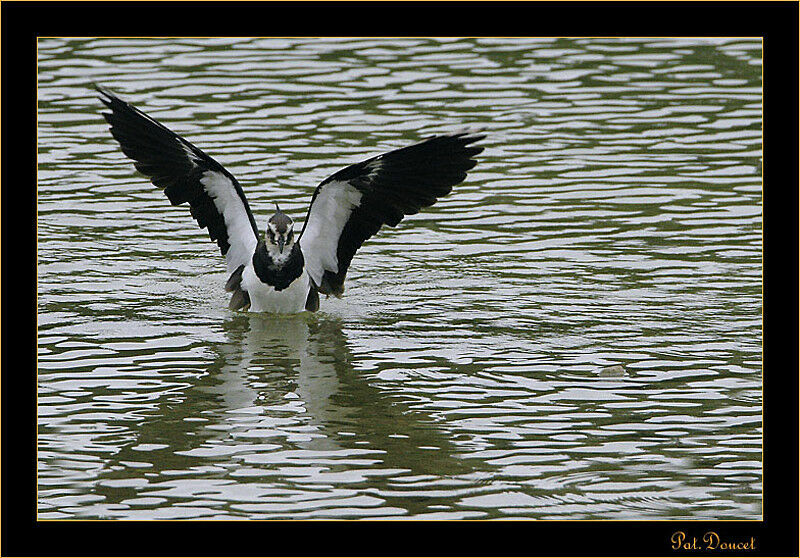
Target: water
{"x":473,"y":368}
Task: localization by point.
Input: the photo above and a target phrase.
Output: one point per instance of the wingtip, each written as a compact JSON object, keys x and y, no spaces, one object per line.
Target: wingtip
{"x":465,"y":135}
{"x":102,"y":90}
{"x":472,"y":134}
{"x":468,"y":139}
{"x":107,"y":96}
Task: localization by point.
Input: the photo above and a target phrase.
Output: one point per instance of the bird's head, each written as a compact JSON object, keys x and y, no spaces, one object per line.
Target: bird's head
{"x":280,"y":232}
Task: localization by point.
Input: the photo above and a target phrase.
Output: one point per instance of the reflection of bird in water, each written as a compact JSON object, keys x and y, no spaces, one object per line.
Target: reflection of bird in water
{"x":282,"y":384}
{"x":308,"y":359}
{"x":276,"y":359}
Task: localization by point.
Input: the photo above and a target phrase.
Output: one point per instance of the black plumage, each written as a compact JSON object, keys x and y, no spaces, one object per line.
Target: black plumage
{"x":312,"y":300}
{"x":171,"y":163}
{"x":393,"y":185}
{"x":240,"y":298}
{"x":235,"y":280}
{"x":279,"y":276}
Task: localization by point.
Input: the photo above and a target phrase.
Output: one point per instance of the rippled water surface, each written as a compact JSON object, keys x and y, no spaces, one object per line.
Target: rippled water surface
{"x":575,"y":332}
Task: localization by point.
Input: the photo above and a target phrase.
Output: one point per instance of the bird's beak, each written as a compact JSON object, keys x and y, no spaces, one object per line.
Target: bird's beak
{"x":281,"y":243}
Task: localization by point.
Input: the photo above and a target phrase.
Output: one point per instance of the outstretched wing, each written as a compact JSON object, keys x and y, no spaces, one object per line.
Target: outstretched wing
{"x":352,"y":205}
{"x":186,"y":174}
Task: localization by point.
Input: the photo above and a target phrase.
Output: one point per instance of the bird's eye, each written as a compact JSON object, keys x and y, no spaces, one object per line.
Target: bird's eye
{"x":289,"y":236}
{"x":271,"y":236}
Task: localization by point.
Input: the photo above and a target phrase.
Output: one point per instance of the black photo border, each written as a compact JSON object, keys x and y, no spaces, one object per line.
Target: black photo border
{"x":23,"y":22}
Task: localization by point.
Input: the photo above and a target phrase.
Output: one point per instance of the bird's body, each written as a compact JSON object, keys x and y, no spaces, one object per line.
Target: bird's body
{"x":265,"y":298}
{"x":282,"y":272}
{"x":277,"y":282}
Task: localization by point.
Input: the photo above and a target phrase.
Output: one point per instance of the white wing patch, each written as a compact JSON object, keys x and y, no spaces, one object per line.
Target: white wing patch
{"x":329,"y":214}
{"x":241,"y":237}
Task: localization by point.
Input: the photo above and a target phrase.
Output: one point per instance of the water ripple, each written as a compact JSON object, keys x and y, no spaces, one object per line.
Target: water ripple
{"x":573,"y":333}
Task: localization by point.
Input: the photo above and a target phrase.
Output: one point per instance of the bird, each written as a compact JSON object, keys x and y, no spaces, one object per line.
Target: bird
{"x":280,"y":271}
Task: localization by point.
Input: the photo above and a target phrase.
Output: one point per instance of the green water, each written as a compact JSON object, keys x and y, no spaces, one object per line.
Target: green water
{"x":614,"y":218}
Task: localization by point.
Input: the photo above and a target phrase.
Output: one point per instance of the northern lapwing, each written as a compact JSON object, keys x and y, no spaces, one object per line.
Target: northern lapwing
{"x":280,"y":271}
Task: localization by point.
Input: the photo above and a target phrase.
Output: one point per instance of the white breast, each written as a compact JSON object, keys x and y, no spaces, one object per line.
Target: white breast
{"x":264,"y":298}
